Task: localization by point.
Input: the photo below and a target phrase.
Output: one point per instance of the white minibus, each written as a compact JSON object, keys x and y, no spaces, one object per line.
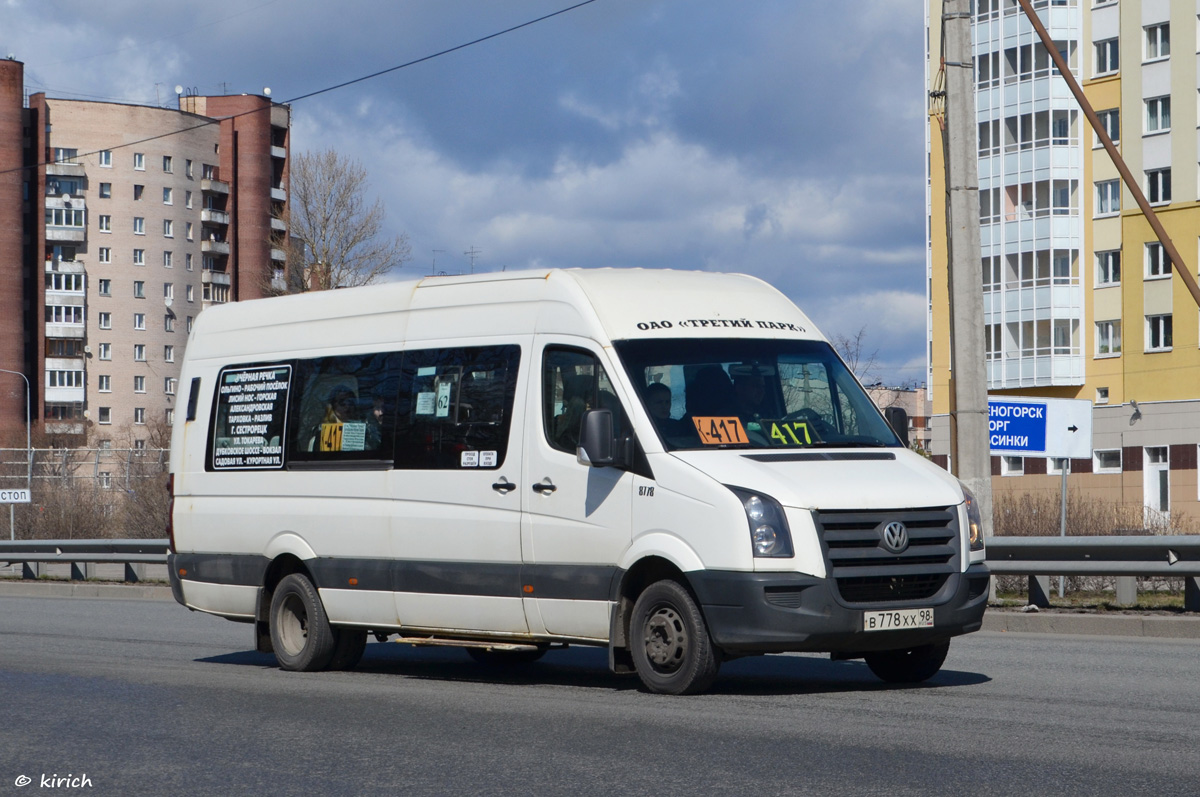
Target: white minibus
{"x":674,"y":465}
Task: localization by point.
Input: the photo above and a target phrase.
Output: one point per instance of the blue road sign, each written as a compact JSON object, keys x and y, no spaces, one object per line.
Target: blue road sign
{"x":1017,"y":426}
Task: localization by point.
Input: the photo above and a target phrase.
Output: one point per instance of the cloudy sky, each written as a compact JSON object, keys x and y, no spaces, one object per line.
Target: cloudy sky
{"x":780,"y":138}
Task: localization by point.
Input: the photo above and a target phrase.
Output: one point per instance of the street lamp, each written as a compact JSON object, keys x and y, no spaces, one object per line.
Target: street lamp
{"x":28,"y":453}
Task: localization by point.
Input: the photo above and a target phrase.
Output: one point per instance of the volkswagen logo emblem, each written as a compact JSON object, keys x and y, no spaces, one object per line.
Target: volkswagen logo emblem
{"x":895,"y":537}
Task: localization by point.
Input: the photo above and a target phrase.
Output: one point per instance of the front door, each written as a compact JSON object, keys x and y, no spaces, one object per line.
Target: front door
{"x":577,"y":519}
{"x":1156,"y":486}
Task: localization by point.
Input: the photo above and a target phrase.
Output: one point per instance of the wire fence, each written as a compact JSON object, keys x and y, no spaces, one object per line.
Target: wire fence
{"x":87,"y":493}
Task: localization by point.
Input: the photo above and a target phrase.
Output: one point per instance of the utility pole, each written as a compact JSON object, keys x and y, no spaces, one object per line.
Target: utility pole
{"x":970,"y":456}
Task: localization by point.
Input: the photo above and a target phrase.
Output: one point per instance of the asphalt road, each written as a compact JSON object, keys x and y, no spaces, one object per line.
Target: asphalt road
{"x":144,"y":697}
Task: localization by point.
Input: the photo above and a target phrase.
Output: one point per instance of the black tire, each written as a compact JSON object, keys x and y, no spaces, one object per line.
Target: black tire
{"x":348,"y":647}
{"x":492,"y":657}
{"x":910,"y":665}
{"x":669,"y":642}
{"x":300,"y":631}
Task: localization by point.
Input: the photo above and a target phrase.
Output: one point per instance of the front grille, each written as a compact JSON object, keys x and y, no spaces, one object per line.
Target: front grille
{"x":866,"y":572}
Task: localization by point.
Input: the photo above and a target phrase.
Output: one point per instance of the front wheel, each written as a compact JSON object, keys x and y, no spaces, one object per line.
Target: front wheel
{"x":669,"y":642}
{"x":300,"y":632}
{"x":910,"y":665}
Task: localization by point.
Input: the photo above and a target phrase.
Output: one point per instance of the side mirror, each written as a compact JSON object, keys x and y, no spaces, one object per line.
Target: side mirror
{"x":897,"y":418}
{"x":596,"y":443}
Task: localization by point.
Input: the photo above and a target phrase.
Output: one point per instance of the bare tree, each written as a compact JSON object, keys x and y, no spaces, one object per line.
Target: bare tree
{"x":854,"y":351}
{"x":336,"y":239}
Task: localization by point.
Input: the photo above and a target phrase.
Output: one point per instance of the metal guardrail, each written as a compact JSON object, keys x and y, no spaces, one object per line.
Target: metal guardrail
{"x":132,"y":553}
{"x":1126,"y":557}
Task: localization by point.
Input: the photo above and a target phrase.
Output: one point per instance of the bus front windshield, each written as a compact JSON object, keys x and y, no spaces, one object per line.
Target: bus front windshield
{"x":749,"y":393}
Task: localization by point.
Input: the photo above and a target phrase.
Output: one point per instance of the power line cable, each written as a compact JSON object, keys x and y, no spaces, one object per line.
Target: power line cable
{"x":326,"y":90}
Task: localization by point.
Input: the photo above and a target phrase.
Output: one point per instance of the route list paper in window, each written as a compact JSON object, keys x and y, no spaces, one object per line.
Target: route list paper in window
{"x":251,"y":417}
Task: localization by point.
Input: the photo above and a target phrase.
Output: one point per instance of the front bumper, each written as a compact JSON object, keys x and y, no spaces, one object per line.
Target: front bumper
{"x":750,"y":613}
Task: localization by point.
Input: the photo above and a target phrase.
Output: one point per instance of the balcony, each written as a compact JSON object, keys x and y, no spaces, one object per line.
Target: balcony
{"x":214,"y":216}
{"x":279,"y":225}
{"x":278,"y":255}
{"x":66,"y":331}
{"x":65,"y":169}
{"x":279,"y":194}
{"x":64,"y":427}
{"x":214,"y":186}
{"x":211,"y":247}
{"x":75,"y":235}
{"x":64,"y":266}
{"x":210,"y":277}
{"x":278,"y":152}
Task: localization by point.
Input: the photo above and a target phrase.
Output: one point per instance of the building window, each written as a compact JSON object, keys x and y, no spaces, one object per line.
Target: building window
{"x":168,"y":196}
{"x":1101,"y":395}
{"x":139,"y":257}
{"x":169,"y":354}
{"x":1108,"y":338}
{"x":105,"y":351}
{"x":1012,"y":466}
{"x":139,"y":161}
{"x":105,"y":223}
{"x":105,"y":287}
{"x":104,"y":255}
{"x":168,"y":323}
{"x":1158,"y":185}
{"x":168,"y":259}
{"x":191,"y":293}
{"x":187,"y":259}
{"x":105,"y":320}
{"x":137,"y":192}
{"x":65,"y":217}
{"x":187,"y":198}
{"x":187,"y":168}
{"x":64,"y":283}
{"x":64,"y":379}
{"x":167,"y":163}
{"x":139,"y":384}
{"x":169,"y":386}
{"x":188,"y":231}
{"x":1108,"y":267}
{"x":139,"y":225}
{"x":139,"y":289}
{"x":1157,"y":262}
{"x":105,"y":158}
{"x":104,"y":415}
{"x":1110,"y":120}
{"x":1056,"y":466}
{"x":106,"y":190}
{"x":189,"y":325}
{"x":1106,"y":460}
{"x":168,"y":228}
{"x":208,"y":171}
{"x":1108,"y":197}
{"x":170,"y":417}
{"x":139,"y":320}
{"x":1158,"y":332}
{"x":1158,"y":114}
{"x":64,"y":314}
{"x":139,"y":415}
{"x":139,"y":352}
{"x":1158,"y":41}
{"x":104,"y":383}
{"x":1108,"y":57}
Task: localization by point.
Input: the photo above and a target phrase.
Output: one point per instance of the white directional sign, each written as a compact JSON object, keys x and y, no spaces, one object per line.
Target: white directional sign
{"x":20,"y":496}
{"x":1040,"y":427}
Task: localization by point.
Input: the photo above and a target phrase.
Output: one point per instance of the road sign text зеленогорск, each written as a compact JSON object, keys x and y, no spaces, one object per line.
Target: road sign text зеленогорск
{"x":19,"y":496}
{"x":1017,"y":427}
{"x":1042,"y":427}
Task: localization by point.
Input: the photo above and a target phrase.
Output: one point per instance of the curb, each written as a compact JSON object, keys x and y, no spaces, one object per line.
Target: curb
{"x":1159,"y":626}
{"x":82,"y":589}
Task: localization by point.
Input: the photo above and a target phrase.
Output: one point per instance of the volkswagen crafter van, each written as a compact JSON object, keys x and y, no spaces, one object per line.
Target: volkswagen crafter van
{"x":675,"y":465}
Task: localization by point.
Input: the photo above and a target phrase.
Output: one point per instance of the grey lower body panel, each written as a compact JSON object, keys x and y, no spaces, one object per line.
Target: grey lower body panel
{"x":751,"y":613}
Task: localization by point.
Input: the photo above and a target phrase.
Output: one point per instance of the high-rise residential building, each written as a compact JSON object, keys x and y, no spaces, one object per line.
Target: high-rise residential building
{"x":119,"y":224}
{"x":1079,"y":299}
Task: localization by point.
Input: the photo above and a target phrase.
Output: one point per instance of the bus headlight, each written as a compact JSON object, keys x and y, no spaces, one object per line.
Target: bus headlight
{"x":769,"y":534}
{"x":974,"y":519}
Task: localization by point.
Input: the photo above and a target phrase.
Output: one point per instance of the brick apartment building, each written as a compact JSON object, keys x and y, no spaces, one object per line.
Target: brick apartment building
{"x":118,"y":225}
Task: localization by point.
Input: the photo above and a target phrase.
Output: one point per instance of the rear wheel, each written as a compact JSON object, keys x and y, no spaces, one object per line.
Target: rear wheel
{"x":669,"y":642}
{"x":493,"y":657}
{"x":910,"y":665}
{"x":300,"y":631}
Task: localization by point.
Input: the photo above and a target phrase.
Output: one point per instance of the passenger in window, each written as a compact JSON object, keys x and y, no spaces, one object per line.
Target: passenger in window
{"x":342,"y":406}
{"x":577,"y":393}
{"x":658,"y":403}
{"x":750,"y":388}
